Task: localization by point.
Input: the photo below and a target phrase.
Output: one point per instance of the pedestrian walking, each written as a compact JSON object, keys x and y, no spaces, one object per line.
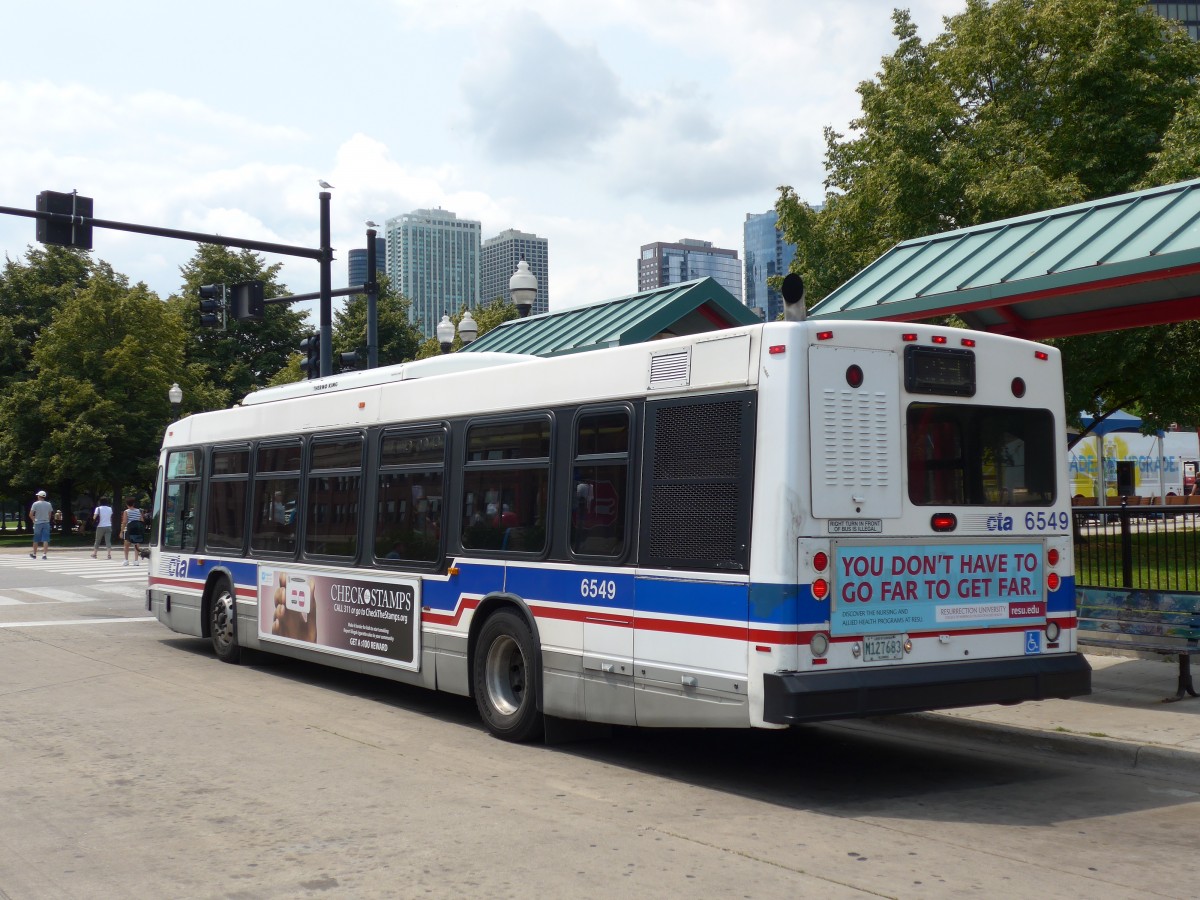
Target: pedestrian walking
{"x":133,"y":531}
{"x":39,"y":515}
{"x":102,"y":516}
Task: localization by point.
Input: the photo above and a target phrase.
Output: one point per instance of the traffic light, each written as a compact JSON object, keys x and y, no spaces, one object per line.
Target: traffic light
{"x":65,"y":234}
{"x":212,"y":306}
{"x":347,"y":361}
{"x":248,"y":303}
{"x":311,"y":348}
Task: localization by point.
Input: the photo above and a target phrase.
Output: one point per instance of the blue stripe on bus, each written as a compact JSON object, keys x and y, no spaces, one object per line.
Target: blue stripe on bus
{"x":758,"y":603}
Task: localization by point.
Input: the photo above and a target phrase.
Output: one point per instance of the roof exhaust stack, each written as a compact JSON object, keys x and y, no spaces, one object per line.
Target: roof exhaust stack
{"x":794,"y":309}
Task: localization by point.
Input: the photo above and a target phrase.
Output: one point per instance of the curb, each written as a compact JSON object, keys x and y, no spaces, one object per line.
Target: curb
{"x":1066,"y":747}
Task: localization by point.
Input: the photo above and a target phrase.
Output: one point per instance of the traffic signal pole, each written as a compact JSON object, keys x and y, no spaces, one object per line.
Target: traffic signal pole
{"x":326,"y":261}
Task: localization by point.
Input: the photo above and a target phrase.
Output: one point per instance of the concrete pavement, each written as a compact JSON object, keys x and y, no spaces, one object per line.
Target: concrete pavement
{"x":1123,"y":723}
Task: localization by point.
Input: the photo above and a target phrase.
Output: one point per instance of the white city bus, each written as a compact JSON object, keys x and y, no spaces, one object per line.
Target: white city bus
{"x":769,"y":525}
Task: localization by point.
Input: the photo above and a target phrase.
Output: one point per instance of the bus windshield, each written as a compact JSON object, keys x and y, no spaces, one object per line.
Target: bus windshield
{"x":962,"y":455}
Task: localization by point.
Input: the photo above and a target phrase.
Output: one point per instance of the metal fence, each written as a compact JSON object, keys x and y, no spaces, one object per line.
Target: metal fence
{"x":1153,"y":548}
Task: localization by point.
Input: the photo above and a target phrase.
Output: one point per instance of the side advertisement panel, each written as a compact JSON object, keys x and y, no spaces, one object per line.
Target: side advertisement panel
{"x":376,"y":618}
{"x":913,"y":587}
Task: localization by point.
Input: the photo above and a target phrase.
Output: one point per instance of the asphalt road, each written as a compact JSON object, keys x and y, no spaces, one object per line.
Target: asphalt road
{"x":134,"y":764}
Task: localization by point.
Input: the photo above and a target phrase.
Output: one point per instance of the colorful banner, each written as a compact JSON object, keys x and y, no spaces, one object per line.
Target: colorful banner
{"x":377,"y":617}
{"x":905,"y":588}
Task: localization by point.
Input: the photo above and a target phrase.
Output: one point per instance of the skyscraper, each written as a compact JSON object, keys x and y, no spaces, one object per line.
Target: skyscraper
{"x":662,"y":264}
{"x":356,"y":265}
{"x":767,"y":255}
{"x":500,"y":257}
{"x":433,"y":260}
{"x":1186,"y":14}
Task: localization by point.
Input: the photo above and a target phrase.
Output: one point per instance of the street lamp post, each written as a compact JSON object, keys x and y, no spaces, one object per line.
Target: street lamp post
{"x":524,"y":287}
{"x":175,"y":395}
{"x":468,"y":330}
{"x":445,"y":332}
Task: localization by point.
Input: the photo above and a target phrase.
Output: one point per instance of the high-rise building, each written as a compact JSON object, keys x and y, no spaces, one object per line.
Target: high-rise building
{"x":356,"y":265}
{"x":433,"y":260}
{"x":500,"y":257}
{"x":662,"y":264}
{"x":1186,"y":14}
{"x":767,"y":255}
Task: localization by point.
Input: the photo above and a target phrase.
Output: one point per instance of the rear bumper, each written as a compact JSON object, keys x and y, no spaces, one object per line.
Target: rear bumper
{"x":794,"y":697}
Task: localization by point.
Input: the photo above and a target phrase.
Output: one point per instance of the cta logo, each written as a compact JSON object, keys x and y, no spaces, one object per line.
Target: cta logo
{"x":175,"y":566}
{"x":999,"y":522}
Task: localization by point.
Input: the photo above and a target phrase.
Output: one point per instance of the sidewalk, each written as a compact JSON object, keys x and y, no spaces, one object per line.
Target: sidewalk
{"x":1123,"y":723}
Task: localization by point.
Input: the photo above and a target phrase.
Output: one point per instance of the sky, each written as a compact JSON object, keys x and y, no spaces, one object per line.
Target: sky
{"x":598,"y":126}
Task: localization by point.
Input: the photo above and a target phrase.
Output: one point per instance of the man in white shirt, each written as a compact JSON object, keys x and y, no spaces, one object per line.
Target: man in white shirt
{"x":39,"y":515}
{"x":103,"y":519}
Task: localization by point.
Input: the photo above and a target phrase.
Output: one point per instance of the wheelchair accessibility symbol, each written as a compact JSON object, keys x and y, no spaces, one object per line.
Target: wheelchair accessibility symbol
{"x":1033,"y":642}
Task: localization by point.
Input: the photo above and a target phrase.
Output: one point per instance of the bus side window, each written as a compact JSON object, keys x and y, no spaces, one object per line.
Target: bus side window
{"x":506,"y":486}
{"x":276,"y":488}
{"x":600,"y":483}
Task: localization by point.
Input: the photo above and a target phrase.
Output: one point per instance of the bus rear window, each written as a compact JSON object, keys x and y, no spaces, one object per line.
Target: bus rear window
{"x":980,"y":455}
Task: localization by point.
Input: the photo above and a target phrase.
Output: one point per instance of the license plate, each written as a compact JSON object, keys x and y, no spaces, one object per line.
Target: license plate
{"x":883,"y":646}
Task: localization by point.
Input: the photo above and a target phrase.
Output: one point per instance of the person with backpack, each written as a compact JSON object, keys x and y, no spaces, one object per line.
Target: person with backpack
{"x":133,"y":531}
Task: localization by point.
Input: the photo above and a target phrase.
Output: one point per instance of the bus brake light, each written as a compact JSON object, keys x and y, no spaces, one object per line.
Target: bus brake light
{"x":939,"y":339}
{"x":820,"y":561}
{"x":820,"y":589}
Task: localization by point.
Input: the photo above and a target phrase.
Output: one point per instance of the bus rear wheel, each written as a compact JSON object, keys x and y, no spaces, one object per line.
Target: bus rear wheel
{"x":222,"y":622}
{"x":504,"y":673}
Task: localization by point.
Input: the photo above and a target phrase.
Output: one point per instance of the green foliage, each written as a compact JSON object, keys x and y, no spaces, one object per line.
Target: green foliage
{"x":29,"y":294}
{"x":486,"y":316}
{"x":398,"y":340}
{"x":94,"y":405}
{"x":1016,"y":107}
{"x":246,"y":355}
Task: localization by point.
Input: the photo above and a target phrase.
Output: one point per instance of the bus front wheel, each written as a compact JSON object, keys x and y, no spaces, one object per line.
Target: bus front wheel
{"x":503,"y":674}
{"x":222,"y":622}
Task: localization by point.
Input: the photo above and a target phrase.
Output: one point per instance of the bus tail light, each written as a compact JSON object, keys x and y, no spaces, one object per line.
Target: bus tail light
{"x":820,"y":588}
{"x":1052,"y":556}
{"x":1052,"y":581}
{"x":824,"y":335}
{"x":943,"y":522}
{"x":820,"y":561}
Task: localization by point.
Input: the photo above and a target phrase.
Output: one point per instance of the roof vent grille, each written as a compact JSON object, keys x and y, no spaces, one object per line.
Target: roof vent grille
{"x":672,"y":369}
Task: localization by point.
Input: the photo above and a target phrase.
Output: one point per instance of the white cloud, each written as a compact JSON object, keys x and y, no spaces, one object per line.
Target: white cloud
{"x":535,"y":96}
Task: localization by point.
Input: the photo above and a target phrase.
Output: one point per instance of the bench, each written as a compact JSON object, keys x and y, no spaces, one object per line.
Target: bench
{"x":1150,"y":621}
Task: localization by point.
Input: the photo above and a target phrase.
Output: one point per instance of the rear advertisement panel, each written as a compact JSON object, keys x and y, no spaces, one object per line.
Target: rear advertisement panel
{"x":943,"y":587}
{"x":376,"y":617}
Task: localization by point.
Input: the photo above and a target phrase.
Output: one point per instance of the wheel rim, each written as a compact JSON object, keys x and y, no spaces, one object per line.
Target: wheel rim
{"x":505,"y":675}
{"x":222,"y":619}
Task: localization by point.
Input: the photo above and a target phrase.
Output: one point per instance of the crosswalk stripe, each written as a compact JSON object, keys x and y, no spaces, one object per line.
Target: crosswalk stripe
{"x":76,"y":622}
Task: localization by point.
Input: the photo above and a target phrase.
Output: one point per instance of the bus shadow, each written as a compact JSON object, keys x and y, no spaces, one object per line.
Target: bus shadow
{"x":865,"y":768}
{"x":868,"y":769}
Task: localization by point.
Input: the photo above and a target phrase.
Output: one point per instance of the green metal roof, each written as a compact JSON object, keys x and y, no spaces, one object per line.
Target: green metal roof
{"x":687,"y":308}
{"x":1121,"y":262}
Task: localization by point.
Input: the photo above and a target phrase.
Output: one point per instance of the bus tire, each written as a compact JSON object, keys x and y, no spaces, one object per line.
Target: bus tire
{"x":222,"y":622}
{"x":504,"y":677}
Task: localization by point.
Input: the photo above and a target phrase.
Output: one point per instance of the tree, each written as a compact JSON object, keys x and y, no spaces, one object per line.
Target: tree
{"x":93,"y":411}
{"x":1016,"y":107}
{"x":486,"y":316}
{"x":247,"y":354}
{"x":30,"y":292}
{"x":398,"y":338}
